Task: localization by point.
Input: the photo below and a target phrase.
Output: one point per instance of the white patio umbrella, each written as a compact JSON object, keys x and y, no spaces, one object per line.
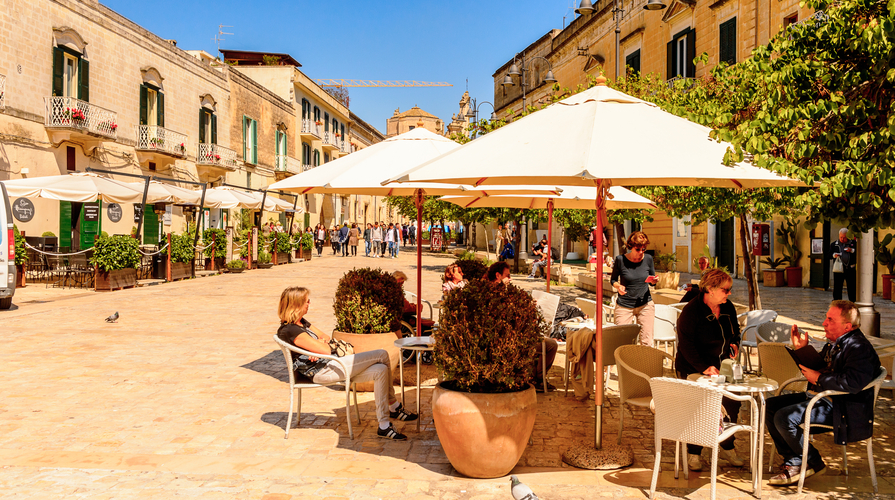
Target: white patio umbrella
{"x":362,"y":173}
{"x":598,"y":137}
{"x":169,"y":193}
{"x":574,"y":197}
{"x":237,"y":198}
{"x":83,"y":187}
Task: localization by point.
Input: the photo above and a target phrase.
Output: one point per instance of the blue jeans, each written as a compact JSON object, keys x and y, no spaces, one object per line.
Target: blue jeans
{"x":784,"y":416}
{"x":397,"y":248}
{"x":367,"y":247}
{"x":391,"y":248}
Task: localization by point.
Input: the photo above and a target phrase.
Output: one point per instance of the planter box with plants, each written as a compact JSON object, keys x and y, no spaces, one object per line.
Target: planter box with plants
{"x":115,"y":260}
{"x":236,"y":266}
{"x":787,"y":236}
{"x":304,"y":245}
{"x":21,"y":257}
{"x":264,"y":260}
{"x":181,"y":256}
{"x":773,"y":277}
{"x":368,"y":307}
{"x":215,"y":241}
{"x":485,"y":409}
{"x":667,"y":262}
{"x":283,"y":247}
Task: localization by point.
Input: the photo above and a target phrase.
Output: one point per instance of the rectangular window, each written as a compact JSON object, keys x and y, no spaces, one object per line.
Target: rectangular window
{"x":727,"y":39}
{"x":326,"y":122}
{"x":70,"y":80}
{"x":680,"y":52}
{"x":208,"y":127}
{"x":632,"y":61}
{"x":791,"y":19}
{"x":281,"y":143}
{"x":250,"y":140}
{"x":70,"y":163}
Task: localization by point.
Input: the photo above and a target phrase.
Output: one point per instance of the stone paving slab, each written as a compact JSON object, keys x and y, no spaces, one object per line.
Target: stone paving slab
{"x":186,"y":397}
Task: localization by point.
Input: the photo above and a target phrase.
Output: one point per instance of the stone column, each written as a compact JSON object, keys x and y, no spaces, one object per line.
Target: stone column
{"x":869,"y":316}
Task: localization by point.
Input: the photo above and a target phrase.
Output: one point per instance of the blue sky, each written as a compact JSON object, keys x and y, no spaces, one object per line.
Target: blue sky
{"x":449,"y":41}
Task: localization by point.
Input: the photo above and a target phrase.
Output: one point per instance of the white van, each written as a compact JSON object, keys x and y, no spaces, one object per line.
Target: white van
{"x":7,"y":252}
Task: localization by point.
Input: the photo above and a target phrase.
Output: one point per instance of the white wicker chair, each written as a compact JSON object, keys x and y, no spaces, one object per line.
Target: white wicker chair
{"x":298,"y":382}
{"x":665,"y":327}
{"x":806,"y":428}
{"x":637,"y":364}
{"x":690,"y":412}
{"x":548,"y":303}
{"x":749,"y":322}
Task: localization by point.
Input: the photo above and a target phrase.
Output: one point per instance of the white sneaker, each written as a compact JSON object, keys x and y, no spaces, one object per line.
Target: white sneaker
{"x":731,"y":457}
{"x":694,"y":462}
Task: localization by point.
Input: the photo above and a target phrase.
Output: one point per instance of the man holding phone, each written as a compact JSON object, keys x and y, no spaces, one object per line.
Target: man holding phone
{"x":851,"y":363}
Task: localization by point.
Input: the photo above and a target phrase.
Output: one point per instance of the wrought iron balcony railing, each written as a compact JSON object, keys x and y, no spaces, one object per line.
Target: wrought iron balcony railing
{"x":219,"y":156}
{"x":311,"y":127}
{"x":152,"y":138}
{"x":288,"y":164}
{"x":71,"y":113}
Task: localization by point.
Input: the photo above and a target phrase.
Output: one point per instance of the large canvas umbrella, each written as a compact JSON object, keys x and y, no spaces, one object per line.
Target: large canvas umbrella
{"x":574,"y":197}
{"x":82,"y":187}
{"x":168,"y":193}
{"x":362,"y":173}
{"x":598,"y":137}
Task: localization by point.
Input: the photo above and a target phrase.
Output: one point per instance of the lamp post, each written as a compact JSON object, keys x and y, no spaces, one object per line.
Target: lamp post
{"x":473,"y":114}
{"x":586,"y":8}
{"x":522,"y":69}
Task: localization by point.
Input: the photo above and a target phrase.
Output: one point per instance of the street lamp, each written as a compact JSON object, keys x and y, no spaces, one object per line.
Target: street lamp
{"x":516,"y":71}
{"x":473,"y":113}
{"x":618,"y":11}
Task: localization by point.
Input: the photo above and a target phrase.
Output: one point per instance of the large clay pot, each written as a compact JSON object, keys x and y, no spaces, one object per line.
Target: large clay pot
{"x":668,"y":280}
{"x":364,"y":342}
{"x":483,"y":435}
{"x":774,"y":277}
{"x":892,"y":289}
{"x":887,"y":290}
{"x":794,"y":276}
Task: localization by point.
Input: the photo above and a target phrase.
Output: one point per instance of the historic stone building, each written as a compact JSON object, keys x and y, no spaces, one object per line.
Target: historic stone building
{"x":411,"y":119}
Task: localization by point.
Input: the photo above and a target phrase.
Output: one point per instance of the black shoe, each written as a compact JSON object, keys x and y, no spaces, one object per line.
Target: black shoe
{"x":391,"y":433}
{"x":400,"y":414}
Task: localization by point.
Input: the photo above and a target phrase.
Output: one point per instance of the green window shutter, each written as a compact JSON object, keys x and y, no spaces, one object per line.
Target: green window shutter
{"x":671,"y":49}
{"x":64,"y":224}
{"x":326,"y":122}
{"x":691,"y":53}
{"x":161,"y":109}
{"x":343,"y":132}
{"x":150,"y":226}
{"x":83,"y":80}
{"x":254,"y":142}
{"x":201,"y":126}
{"x":144,"y":105}
{"x":58,"y":71}
{"x":214,"y":129}
{"x":245,"y":122}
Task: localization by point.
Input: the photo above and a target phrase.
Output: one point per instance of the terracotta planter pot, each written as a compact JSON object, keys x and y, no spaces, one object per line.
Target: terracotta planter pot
{"x":887,"y":289}
{"x":794,"y":276}
{"x":668,"y":280}
{"x":774,"y":277}
{"x":115,"y":280}
{"x":483,"y":435}
{"x":892,"y":288}
{"x":20,"y":276}
{"x":364,"y":342}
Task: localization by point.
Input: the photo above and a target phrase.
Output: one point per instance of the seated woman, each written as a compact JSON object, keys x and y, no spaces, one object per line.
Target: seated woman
{"x":707,"y":332}
{"x":364,"y":366}
{"x":410,"y":313}
{"x":453,"y":278}
{"x":508,"y":252}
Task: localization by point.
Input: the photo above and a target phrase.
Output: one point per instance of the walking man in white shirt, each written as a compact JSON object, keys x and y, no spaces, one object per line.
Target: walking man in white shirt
{"x":376,"y":235}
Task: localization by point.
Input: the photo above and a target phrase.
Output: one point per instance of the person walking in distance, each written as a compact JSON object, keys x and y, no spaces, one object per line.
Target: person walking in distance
{"x":376,"y":237}
{"x":368,"y":234}
{"x":844,"y":250}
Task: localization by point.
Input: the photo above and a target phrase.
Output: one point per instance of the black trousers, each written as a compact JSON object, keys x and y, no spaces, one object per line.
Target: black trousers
{"x":849,"y":277}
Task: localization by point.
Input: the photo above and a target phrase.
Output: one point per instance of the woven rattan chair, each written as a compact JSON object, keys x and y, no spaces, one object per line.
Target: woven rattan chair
{"x":548,"y":303}
{"x":637,"y":364}
{"x":614,"y":336}
{"x":780,"y":367}
{"x":875,"y":385}
{"x":690,"y":412}
{"x":749,"y":322}
{"x":665,"y":327}
{"x":297,"y":382}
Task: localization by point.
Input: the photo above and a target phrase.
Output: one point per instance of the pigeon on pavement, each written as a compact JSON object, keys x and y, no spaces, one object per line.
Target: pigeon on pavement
{"x":113,"y":318}
{"x":520,"y":491}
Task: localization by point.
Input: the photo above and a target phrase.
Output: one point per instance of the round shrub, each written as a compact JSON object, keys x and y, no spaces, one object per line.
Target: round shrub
{"x":472,"y":269}
{"x":112,"y":253}
{"x":368,"y":301}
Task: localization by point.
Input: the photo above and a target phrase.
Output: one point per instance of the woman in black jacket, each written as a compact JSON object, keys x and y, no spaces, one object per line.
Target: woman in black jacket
{"x":708,"y":332}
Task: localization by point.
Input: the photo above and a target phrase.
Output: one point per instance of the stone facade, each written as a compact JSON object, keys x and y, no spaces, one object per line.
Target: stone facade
{"x":411,"y":119}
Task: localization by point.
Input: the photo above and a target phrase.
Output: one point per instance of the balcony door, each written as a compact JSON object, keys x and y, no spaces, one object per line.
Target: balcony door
{"x":152,"y":106}
{"x":208,"y":127}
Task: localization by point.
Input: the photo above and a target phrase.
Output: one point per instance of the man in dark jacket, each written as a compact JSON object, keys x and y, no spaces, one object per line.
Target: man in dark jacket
{"x":846,"y":251}
{"x":852,"y":363}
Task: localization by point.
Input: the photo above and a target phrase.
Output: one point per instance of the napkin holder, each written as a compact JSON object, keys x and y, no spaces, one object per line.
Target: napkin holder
{"x":727,"y":368}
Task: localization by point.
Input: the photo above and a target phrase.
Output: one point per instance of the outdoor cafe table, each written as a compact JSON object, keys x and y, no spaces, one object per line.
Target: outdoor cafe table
{"x":419,"y":345}
{"x":757,"y":387}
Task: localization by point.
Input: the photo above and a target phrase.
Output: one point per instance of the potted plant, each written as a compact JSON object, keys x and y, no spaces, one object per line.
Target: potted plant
{"x":181,"y":255}
{"x":773,"y":277}
{"x":304,"y":244}
{"x":282,"y":246}
{"x":472,"y":269}
{"x":115,"y":260}
{"x":264,"y":260}
{"x":215,"y":247}
{"x":886,"y":258}
{"x":21,"y":257}
{"x":787,"y":236}
{"x":667,"y":262}
{"x":368,"y":306}
{"x":485,"y":409}
{"x":236,"y":266}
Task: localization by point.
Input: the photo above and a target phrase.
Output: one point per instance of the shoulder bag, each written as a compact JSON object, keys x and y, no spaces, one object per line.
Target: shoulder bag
{"x":837,"y":266}
{"x":340,"y":348}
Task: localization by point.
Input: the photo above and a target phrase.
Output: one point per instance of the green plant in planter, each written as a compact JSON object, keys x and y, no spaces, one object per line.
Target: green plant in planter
{"x":303,"y":241}
{"x":236,"y":264}
{"x":787,"y":236}
{"x":181,"y":247}
{"x":21,"y":254}
{"x":219,"y":236}
{"x":264,"y":257}
{"x":283,"y":244}
{"x":480,"y":351}
{"x":368,"y":301}
{"x":116,"y":252}
{"x":472,"y":269}
{"x":48,"y":234}
{"x":884,"y":254}
{"x":666,"y":261}
{"x":774,"y":263}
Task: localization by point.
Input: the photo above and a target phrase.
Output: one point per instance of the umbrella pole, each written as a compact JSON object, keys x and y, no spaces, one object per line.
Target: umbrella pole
{"x":549,"y":240}
{"x":199,"y":221}
{"x":419,"y":262}
{"x":598,"y":394}
{"x":139,"y":234}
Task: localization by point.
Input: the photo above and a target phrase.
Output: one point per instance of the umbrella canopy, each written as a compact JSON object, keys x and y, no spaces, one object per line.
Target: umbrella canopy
{"x":237,"y":198}
{"x":362,"y":172}
{"x":286,"y":206}
{"x":83,"y":187}
{"x":572,"y":197}
{"x":169,"y":193}
{"x":600,"y":133}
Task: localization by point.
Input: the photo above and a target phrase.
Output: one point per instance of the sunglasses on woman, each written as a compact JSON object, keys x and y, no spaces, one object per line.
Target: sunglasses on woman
{"x":639,"y":248}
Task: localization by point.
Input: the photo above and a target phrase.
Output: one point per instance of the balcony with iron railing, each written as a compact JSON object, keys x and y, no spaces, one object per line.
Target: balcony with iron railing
{"x":288,"y":165}
{"x":310,"y":128}
{"x":213,"y":155}
{"x":161,"y":140}
{"x":682,"y":83}
{"x":329,"y":141}
{"x":68,"y":113}
{"x":2,"y":91}
{"x":305,"y":168}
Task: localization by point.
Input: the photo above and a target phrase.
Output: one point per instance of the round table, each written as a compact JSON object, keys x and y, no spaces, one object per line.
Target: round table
{"x":418,"y":345}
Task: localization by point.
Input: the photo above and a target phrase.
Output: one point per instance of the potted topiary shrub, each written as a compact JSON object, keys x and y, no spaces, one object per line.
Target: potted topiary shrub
{"x":264,"y":260}
{"x":115,"y":260}
{"x":282,"y":246}
{"x":21,"y":257}
{"x":773,"y":277}
{"x":886,"y":258}
{"x":485,"y":409}
{"x":236,"y":266}
{"x":215,"y":247}
{"x":472,"y":269}
{"x":181,"y":255}
{"x":787,"y":236}
{"x":368,"y":306}
{"x":667,"y":262}
{"x":304,"y":244}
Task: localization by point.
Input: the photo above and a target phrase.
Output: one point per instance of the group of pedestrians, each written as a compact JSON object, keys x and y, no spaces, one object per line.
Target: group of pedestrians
{"x":379,"y":238}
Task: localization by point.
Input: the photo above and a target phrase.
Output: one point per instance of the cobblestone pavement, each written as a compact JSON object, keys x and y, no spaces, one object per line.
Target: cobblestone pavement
{"x":185,"y":397}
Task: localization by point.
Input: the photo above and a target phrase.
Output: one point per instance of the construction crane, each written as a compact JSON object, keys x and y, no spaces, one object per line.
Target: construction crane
{"x":325,"y":82}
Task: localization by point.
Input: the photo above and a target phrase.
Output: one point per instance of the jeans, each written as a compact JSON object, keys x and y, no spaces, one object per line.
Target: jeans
{"x":537,"y":265}
{"x":319,"y":247}
{"x":365,"y":367}
{"x":646,"y":318}
{"x":367,"y":247}
{"x":344,"y":249}
{"x":397,"y":248}
{"x":376,"y":249}
{"x":849,"y":277}
{"x":391,"y":248}
{"x":784,"y":416}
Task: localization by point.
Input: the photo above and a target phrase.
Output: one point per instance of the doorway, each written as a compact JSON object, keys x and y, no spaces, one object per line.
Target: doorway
{"x":724,"y":243}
